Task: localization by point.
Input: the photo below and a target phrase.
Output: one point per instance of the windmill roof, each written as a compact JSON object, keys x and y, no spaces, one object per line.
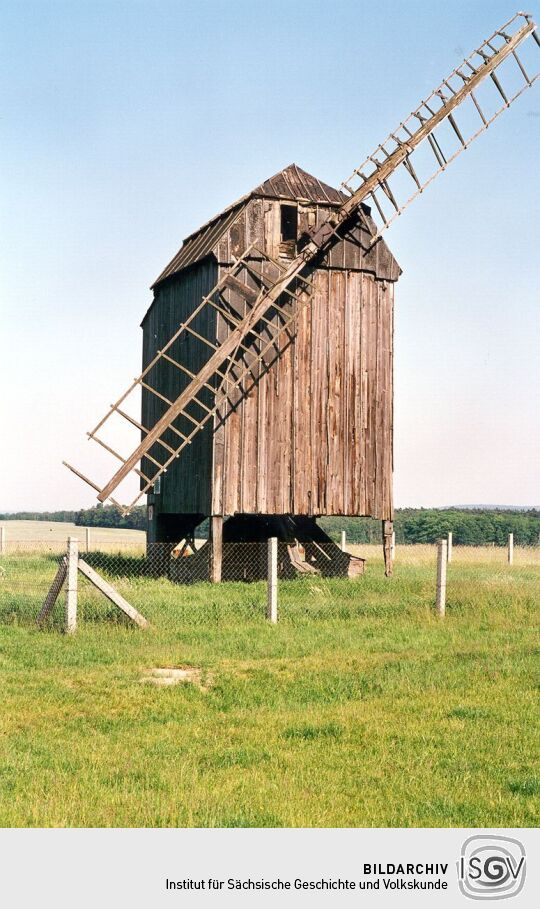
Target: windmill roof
{"x":290,"y":183}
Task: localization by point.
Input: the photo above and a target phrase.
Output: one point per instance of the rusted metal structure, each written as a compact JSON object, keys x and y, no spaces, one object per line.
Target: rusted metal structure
{"x":267,"y":363}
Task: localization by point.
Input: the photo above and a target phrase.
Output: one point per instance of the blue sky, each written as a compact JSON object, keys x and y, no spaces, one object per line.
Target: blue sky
{"x":126,"y":125}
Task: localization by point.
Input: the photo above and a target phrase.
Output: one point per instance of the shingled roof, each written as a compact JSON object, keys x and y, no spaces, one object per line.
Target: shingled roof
{"x":290,"y":183}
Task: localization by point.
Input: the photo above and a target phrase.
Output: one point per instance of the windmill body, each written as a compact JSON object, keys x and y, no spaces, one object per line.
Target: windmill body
{"x":309,"y":432}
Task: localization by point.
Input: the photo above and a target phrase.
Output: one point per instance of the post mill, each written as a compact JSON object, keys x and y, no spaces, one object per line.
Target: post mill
{"x":267,"y":382}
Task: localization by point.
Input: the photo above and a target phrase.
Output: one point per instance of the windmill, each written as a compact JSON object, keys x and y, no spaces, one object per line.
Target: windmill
{"x":267,"y":382}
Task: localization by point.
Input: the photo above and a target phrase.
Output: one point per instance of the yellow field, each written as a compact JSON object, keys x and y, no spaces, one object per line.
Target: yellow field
{"x":422,"y":554}
{"x":57,"y":532}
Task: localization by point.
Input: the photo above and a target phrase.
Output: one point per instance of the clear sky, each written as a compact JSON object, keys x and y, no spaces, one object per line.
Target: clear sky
{"x":125,"y":125}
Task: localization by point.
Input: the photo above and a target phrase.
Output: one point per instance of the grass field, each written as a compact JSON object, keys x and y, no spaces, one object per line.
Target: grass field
{"x":360,"y":708}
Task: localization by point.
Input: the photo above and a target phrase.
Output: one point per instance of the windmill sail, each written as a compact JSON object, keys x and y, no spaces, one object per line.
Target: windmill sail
{"x":423,"y":145}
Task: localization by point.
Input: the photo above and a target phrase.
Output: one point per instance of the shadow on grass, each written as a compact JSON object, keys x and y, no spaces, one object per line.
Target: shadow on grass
{"x":118,"y":565}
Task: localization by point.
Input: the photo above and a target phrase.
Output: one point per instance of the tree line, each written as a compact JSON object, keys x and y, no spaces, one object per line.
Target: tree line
{"x":470,"y":527}
{"x":97,"y":516}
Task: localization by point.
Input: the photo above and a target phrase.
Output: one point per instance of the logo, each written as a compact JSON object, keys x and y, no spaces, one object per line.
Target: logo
{"x":491,"y":867}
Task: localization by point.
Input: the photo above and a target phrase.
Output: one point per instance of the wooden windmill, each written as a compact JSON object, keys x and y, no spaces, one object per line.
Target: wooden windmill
{"x":267,"y":351}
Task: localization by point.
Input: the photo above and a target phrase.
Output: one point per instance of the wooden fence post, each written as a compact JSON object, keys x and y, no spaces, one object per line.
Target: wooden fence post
{"x":449,"y":550}
{"x":387,"y":531}
{"x":510,"y":548}
{"x":442,"y":556}
{"x":216,"y":548}
{"x":272,"y":604}
{"x":343,"y":544}
{"x":393,"y":546}
{"x":2,"y":540}
{"x":87,"y":539}
{"x":71,"y":587}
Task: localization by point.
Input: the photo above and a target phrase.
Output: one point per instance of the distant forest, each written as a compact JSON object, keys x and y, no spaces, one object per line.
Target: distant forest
{"x":470,"y":527}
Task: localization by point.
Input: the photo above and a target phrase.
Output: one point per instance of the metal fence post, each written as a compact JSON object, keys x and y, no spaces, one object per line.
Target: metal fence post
{"x":442,"y":547}
{"x":510,"y":548}
{"x":343,"y":544}
{"x":87,"y":539}
{"x":449,"y":550}
{"x":272,"y":604}
{"x":71,"y":586}
{"x":2,"y":540}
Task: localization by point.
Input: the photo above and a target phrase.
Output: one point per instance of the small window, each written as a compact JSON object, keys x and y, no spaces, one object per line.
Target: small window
{"x":289,"y":223}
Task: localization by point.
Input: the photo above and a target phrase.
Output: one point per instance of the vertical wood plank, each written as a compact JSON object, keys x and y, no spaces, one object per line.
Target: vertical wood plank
{"x":216,"y":542}
{"x":387,"y":533}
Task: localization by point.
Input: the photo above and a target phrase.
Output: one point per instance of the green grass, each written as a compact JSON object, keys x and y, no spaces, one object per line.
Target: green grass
{"x":360,"y":708}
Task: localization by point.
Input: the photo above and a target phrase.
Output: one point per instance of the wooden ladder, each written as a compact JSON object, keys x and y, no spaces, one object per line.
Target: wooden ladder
{"x":255,"y":339}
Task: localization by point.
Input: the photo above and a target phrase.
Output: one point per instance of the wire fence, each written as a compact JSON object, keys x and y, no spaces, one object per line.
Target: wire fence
{"x":170,"y":586}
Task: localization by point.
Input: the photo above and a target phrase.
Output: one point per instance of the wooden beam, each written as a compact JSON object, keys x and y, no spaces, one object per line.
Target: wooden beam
{"x":53,"y":593}
{"x":246,"y":292}
{"x":216,"y":548}
{"x":387,"y":533}
{"x":112,"y":594}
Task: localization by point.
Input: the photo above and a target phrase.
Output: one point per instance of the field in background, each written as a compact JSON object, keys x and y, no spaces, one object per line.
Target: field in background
{"x":359,"y":708}
{"x":59,"y":531}
{"x":24,"y":534}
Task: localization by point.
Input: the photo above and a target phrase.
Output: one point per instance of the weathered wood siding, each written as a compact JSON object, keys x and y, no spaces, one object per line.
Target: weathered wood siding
{"x":314,"y":436}
{"x":260,"y":222}
{"x":186,"y":487}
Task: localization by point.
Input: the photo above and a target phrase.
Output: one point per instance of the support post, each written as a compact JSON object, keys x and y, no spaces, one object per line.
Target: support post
{"x":343,"y":544}
{"x":442,"y":554}
{"x":449,"y":547}
{"x":216,"y":548}
{"x":387,"y":531}
{"x":71,"y":587}
{"x":272,"y":604}
{"x":510,"y":548}
{"x":87,"y":540}
{"x":2,"y":540}
{"x":393,"y":547}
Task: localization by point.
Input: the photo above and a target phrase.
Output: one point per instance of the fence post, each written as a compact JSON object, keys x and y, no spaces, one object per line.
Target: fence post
{"x":449,"y":550}
{"x":71,"y":586}
{"x":2,"y":540}
{"x":87,"y":539}
{"x":272,"y":604}
{"x":343,"y":544}
{"x":216,"y":550}
{"x":510,"y":548}
{"x":442,"y":549}
{"x":387,"y":531}
{"x":393,"y":546}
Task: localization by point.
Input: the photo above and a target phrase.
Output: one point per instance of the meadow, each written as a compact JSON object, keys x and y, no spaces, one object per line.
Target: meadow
{"x":359,"y":708}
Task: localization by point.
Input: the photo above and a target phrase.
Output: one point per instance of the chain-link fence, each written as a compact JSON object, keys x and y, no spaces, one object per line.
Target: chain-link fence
{"x":170,"y":585}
